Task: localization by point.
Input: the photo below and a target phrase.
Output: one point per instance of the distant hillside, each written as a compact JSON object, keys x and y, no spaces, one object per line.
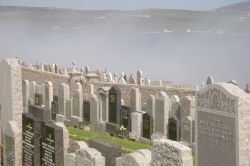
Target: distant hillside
{"x":238,"y":7}
{"x":148,"y":21}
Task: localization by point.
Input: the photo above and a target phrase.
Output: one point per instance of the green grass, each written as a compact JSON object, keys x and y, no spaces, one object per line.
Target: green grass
{"x":127,"y":146}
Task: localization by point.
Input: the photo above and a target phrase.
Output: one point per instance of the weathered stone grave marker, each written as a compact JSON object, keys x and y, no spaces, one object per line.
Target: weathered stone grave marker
{"x":108,"y":150}
{"x":114,"y":104}
{"x":52,"y":145}
{"x":172,"y":129}
{"x":172,"y":153}
{"x":114,"y":110}
{"x":54,"y":107}
{"x":222,"y":126}
{"x":187,"y":130}
{"x":147,"y":125}
{"x":161,"y":112}
{"x":86,"y":111}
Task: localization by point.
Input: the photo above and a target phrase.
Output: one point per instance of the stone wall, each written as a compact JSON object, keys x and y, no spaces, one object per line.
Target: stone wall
{"x":146,"y":91}
{"x":41,"y":76}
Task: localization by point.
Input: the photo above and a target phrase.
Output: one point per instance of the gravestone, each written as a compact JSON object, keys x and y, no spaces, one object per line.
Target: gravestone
{"x":172,"y":129}
{"x":68,"y":110}
{"x":175,"y":107}
{"x":110,"y":77}
{"x":32,"y":90}
{"x":86,"y":111}
{"x":114,"y":104}
{"x":12,"y":144}
{"x":65,"y":137}
{"x":172,"y":153}
{"x":103,"y":94}
{"x":31,"y":125}
{"x":162,"y":108}
{"x":54,"y":110}
{"x":108,"y":150}
{"x":187,"y":106}
{"x":38,"y":89}
{"x":48,"y":94}
{"x":122,"y":81}
{"x":222,"y":126}
{"x":139,"y":78}
{"x":76,"y":146}
{"x":141,"y":157}
{"x":94,"y":110}
{"x":63,"y":94}
{"x":210,"y":80}
{"x":136,"y":125}
{"x":11,"y":99}
{"x":147,"y":82}
{"x":151,"y":108}
{"x":31,"y":140}
{"x":135,"y":99}
{"x":187,"y":130}
{"x":89,"y":157}
{"x":147,"y":125}
{"x":126,"y":117}
{"x":52,"y":145}
{"x":70,"y":159}
{"x":77,"y":116}
{"x":90,"y":89}
{"x":26,"y":91}
{"x":54,"y":107}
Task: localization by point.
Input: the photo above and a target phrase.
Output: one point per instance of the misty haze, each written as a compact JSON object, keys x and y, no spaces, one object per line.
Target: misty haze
{"x":176,"y":45}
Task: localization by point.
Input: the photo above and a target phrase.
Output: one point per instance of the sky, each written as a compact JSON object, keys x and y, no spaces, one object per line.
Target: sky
{"x":123,"y":4}
{"x":127,"y":43}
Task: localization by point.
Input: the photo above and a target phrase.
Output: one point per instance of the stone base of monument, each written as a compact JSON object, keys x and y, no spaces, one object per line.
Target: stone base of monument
{"x":67,"y":122}
{"x":81,"y":124}
{"x":140,"y":157}
{"x":86,"y":128}
{"x":59,"y":118}
{"x":101,"y":129}
{"x":144,"y":140}
{"x":132,"y":136}
{"x":112,"y":128}
{"x":74,"y":121}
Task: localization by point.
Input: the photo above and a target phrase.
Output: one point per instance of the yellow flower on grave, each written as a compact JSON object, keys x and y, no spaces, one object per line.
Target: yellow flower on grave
{"x":122,"y":128}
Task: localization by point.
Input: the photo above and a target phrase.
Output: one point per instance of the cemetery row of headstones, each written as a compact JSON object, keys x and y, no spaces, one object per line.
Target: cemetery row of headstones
{"x":222,"y":124}
{"x":44,"y":142}
{"x":104,"y":111}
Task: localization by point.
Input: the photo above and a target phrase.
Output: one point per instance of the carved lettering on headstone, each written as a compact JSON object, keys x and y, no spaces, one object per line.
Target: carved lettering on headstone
{"x":28,"y":141}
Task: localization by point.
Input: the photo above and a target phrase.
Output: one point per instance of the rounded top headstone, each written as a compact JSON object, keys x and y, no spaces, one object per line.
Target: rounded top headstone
{"x":210,"y":80}
{"x":175,"y":99}
{"x":234,"y":82}
{"x":87,"y":69}
{"x":247,"y":90}
{"x":139,"y":73}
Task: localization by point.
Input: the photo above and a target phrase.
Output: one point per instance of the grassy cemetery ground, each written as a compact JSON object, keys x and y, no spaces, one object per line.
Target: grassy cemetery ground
{"x":128,"y":146}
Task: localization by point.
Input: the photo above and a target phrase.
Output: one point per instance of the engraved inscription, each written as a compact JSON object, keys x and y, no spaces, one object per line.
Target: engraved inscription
{"x":217,"y":131}
{"x":28,"y":141}
{"x":48,"y":147}
{"x":10,"y":150}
